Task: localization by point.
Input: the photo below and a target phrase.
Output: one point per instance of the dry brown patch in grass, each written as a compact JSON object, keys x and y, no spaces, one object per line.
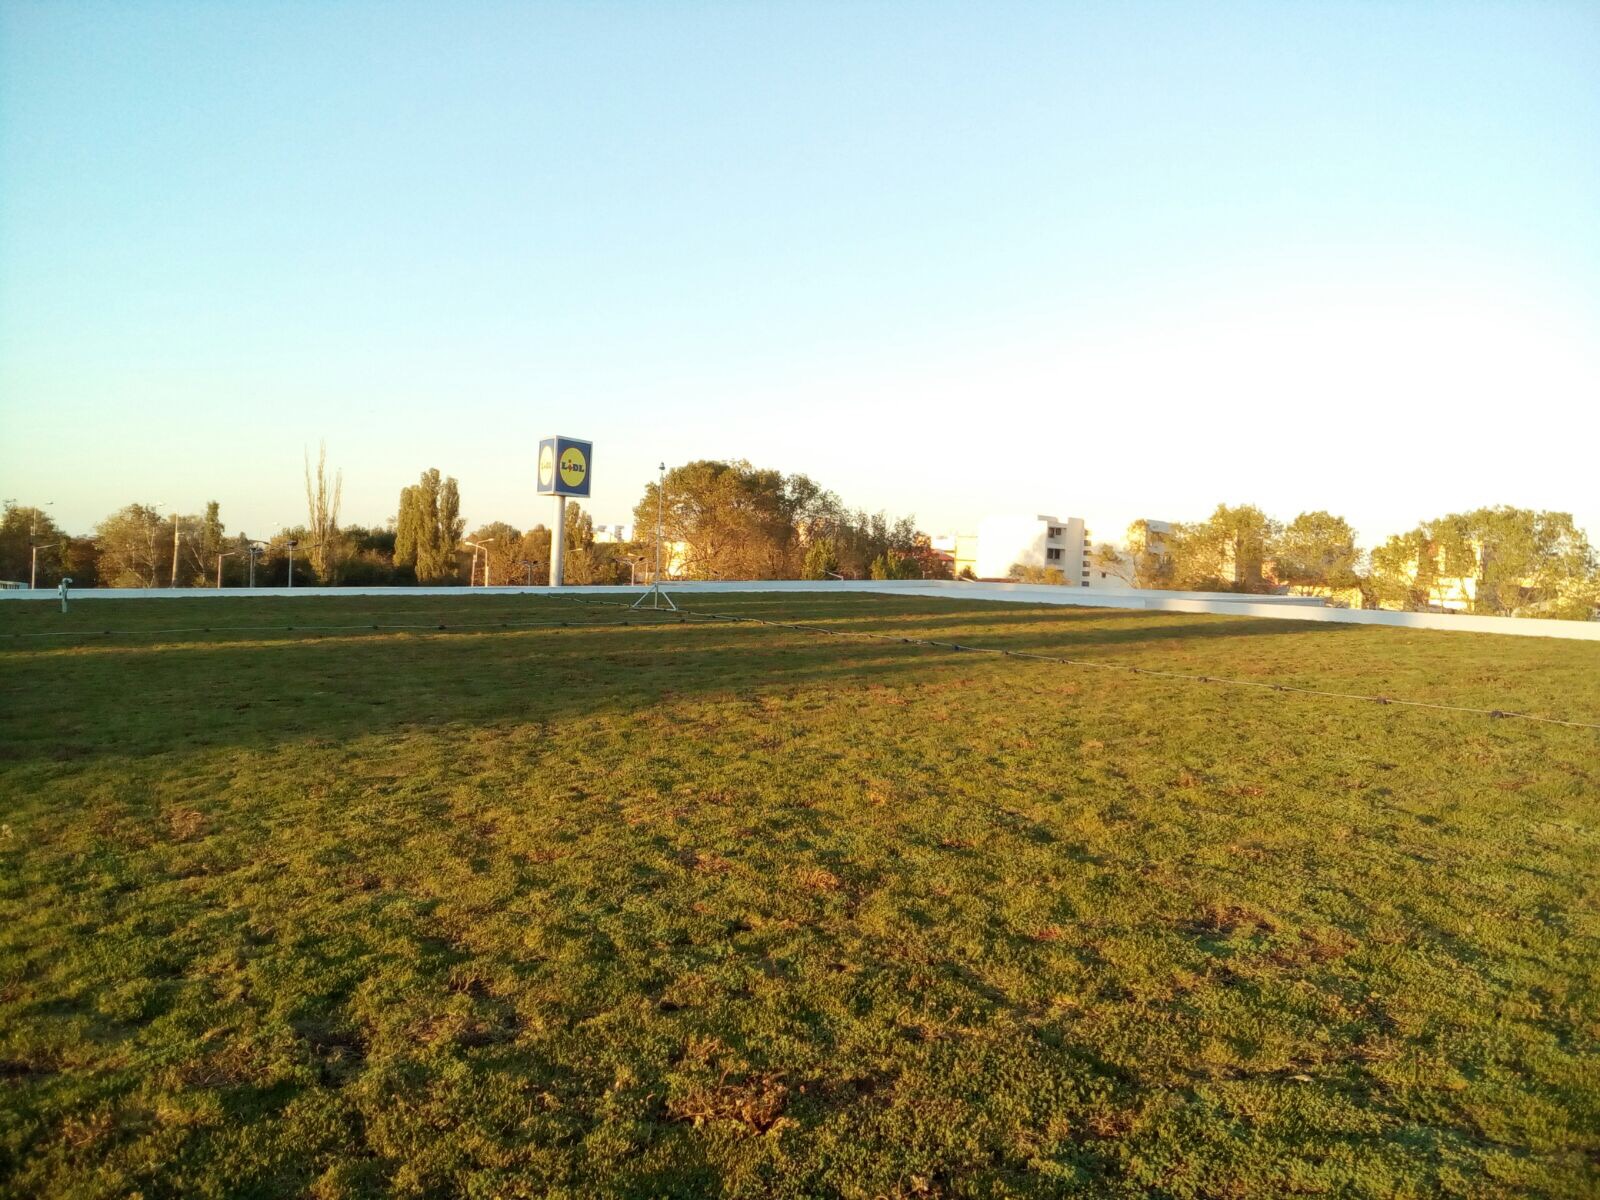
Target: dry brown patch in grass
{"x":705,"y":861}
{"x":186,"y":824}
{"x":1227,"y":918}
{"x":1110,"y":1124}
{"x":756,"y":1102}
{"x":1048,"y":933}
{"x":817,"y":879}
{"x":1319,"y":945}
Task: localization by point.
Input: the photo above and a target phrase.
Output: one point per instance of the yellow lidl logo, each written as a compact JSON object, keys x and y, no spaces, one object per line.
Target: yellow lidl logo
{"x":547,"y":465}
{"x":573,"y":467}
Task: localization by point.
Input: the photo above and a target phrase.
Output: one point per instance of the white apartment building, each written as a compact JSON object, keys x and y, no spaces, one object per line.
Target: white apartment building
{"x":1054,"y":543}
{"x":1064,"y":544}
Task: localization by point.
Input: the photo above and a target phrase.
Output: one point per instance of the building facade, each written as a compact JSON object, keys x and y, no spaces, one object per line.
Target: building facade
{"x":1011,"y":543}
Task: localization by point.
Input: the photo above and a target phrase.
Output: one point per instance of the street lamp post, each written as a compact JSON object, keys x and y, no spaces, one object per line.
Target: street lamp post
{"x":293,"y":542}
{"x":655,"y":595}
{"x":33,"y":570}
{"x":661,"y":499}
{"x":157,"y":505}
{"x":230,"y":554}
{"x":472,"y":571}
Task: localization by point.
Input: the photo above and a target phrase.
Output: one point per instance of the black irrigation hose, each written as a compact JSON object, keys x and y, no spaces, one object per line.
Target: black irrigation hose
{"x":1493,"y":713}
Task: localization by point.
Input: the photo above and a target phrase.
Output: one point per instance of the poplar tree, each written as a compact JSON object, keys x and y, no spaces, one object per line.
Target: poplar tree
{"x":428,"y":528}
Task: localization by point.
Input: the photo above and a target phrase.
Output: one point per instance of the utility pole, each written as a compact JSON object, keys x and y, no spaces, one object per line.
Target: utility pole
{"x":293,"y":542}
{"x":177,"y":524}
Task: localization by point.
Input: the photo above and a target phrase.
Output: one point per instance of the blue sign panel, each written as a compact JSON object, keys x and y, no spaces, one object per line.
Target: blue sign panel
{"x":564,"y":465}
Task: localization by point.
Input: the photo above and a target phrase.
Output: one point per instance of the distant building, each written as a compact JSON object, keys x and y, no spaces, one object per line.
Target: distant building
{"x":1043,"y":541}
{"x":1064,"y":544}
{"x":962,"y":549}
{"x":611,"y":533}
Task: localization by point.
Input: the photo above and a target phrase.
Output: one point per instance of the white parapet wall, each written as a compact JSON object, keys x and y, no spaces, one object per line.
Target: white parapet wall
{"x":1278,"y":608}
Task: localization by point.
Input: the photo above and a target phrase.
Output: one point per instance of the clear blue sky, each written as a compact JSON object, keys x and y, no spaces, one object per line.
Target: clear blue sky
{"x":1103,"y":259}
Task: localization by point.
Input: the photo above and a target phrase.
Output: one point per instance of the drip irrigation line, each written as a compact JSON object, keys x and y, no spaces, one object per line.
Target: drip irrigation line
{"x":1493,"y":713}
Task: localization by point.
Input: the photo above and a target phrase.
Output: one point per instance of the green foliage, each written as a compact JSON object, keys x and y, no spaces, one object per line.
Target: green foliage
{"x":502,"y":545}
{"x":128,"y":546}
{"x":21,"y":528}
{"x":322,"y":517}
{"x":822,"y":559}
{"x":1499,"y":561}
{"x":729,"y":520}
{"x":429,"y":528}
{"x":1317,"y":550}
{"x":1227,"y":552}
{"x":706,"y":909}
{"x":1144,"y":561}
{"x":892,"y":564}
{"x":1027,"y":573}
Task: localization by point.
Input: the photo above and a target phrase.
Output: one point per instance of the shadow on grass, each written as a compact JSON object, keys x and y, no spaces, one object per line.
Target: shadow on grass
{"x":124,"y":698}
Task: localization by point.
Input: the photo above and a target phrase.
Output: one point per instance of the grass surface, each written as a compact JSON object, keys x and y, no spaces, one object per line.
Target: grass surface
{"x":701,"y":909}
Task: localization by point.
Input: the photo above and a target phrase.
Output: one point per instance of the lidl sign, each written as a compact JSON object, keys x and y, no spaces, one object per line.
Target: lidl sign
{"x":564,"y":465}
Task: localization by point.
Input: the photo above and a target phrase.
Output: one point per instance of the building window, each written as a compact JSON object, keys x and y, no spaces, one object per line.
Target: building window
{"x":1085,"y":583}
{"x":1053,"y":554}
{"x":1055,"y":531}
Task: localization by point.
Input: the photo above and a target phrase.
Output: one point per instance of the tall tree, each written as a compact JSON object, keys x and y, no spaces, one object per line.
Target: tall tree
{"x":21,"y":528}
{"x":1317,"y":550}
{"x":1143,"y":560}
{"x":501,"y":549}
{"x":429,"y":528}
{"x":730,"y":520}
{"x":1401,"y":573}
{"x":131,"y":546}
{"x":211,"y":540}
{"x":822,"y":559}
{"x":1521,"y":562}
{"x":1227,"y":552}
{"x":725,"y":520}
{"x":322,"y":516}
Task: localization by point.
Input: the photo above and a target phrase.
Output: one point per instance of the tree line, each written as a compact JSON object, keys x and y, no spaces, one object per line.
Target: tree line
{"x":720,"y":520}
{"x":1499,"y":561}
{"x":732,"y":520}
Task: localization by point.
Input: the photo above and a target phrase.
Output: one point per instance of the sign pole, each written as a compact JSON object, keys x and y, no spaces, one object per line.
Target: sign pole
{"x":558,"y":544}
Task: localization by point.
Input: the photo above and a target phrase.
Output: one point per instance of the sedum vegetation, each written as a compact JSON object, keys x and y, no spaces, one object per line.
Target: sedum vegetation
{"x":676,"y":908}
